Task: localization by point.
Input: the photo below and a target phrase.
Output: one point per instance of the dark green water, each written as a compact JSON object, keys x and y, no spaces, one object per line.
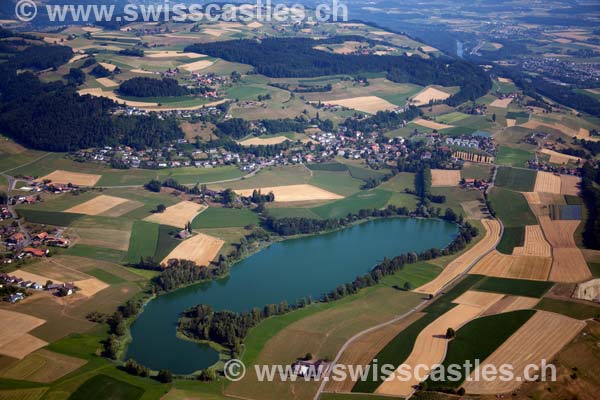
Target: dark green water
{"x":289,"y":270}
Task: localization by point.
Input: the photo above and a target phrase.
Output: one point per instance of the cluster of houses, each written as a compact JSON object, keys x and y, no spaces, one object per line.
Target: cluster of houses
{"x":21,"y":285}
{"x":540,"y":165}
{"x":23,"y":246}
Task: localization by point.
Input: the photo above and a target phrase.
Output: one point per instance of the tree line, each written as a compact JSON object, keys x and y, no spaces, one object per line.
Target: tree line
{"x":590,"y":179}
{"x":150,"y":87}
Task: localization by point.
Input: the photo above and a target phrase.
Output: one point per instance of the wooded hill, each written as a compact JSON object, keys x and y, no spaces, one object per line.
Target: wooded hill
{"x":296,"y":57}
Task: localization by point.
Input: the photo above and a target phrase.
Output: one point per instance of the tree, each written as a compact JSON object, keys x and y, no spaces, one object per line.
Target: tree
{"x":450,"y":333}
{"x":153,"y":186}
{"x":494,"y":117}
{"x":407,"y":286}
{"x":229,"y":196}
{"x":160,"y":208}
{"x":164,"y":376}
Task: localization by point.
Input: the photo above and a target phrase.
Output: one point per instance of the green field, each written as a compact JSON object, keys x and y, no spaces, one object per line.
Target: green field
{"x":516,"y":287}
{"x":339,"y":182}
{"x":166,"y":241}
{"x":367,"y":199}
{"x":49,"y":217}
{"x":105,"y":387}
{"x":105,"y":276}
{"x":97,"y":253}
{"x":511,"y":207}
{"x":330,"y":166}
{"x":571,"y":309}
{"x":512,"y":157}
{"x":416,"y":274}
{"x":477,"y":340}
{"x":143,"y":242}
{"x":476,"y":171}
{"x":216,"y":217}
{"x":522,"y":180}
{"x":513,"y":236}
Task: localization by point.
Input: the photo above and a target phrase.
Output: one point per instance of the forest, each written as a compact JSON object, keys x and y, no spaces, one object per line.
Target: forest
{"x":150,"y":87}
{"x":590,"y":179}
{"x":296,"y":57}
{"x":57,"y":118}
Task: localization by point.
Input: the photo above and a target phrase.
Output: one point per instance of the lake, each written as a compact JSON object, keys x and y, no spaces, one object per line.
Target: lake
{"x":287,"y":270}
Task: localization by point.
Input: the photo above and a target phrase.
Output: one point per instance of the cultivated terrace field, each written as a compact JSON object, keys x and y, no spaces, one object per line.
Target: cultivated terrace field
{"x":140,"y":162}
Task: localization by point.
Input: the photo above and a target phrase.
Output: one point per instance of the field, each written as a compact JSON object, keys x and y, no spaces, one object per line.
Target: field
{"x":522,"y":180}
{"x":477,"y":339}
{"x":429,"y":348}
{"x":428,"y":94}
{"x":445,"y":177}
{"x":501,"y":103}
{"x":257,"y":141}
{"x":573,"y":309}
{"x":514,"y":212}
{"x":476,"y":171}
{"x":66,"y":177}
{"x":322,"y":333}
{"x":293,"y":193}
{"x":568,"y":262}
{"x":559,"y":158}
{"x":569,"y":185}
{"x":535,"y":244}
{"x":368,"y":104}
{"x":431,"y":124}
{"x":106,"y":387}
{"x":102,"y":205}
{"x":200,"y":248}
{"x":540,"y":338}
{"x":516,"y":287}
{"x":177,"y":215}
{"x":512,"y":157}
{"x":518,"y":267}
{"x":215,"y":217}
{"x":462,"y":263}
{"x":547,"y":182}
{"x":512,"y":303}
{"x":42,"y":366}
{"x":15,"y":341}
{"x":375,"y":198}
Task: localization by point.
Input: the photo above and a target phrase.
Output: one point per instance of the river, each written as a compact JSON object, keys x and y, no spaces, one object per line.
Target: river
{"x":290,"y":270}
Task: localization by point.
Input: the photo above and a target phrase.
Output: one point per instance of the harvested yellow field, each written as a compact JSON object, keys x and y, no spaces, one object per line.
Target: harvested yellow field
{"x":91,"y":29}
{"x":512,"y":303}
{"x":505,"y":80}
{"x":445,"y":177}
{"x":213,"y":32}
{"x":264,"y":142}
{"x":98,"y":92}
{"x":431,"y":124}
{"x":560,"y":158}
{"x":110,"y":67}
{"x":540,"y":338}
{"x":428,"y":94}
{"x":141,"y":71}
{"x":14,"y":339}
{"x":478,"y":299}
{"x":177,"y":215}
{"x":171,"y":54}
{"x":22,"y":346}
{"x":510,"y":122}
{"x":462,"y":263}
{"x":200,"y":248}
{"x":76,"y":58}
{"x":547,"y":182}
{"x":569,"y":265}
{"x":75,"y":178}
{"x":89,"y":287}
{"x":501,"y":103}
{"x":28,"y":276}
{"x":191,"y":108}
{"x":97,"y":205}
{"x":294,"y":193}
{"x":559,"y":233}
{"x":517,"y":267}
{"x":532,"y":197}
{"x":42,"y":366}
{"x":368,"y":104}
{"x":254,"y":25}
{"x":366,"y":347}
{"x":429,"y":349}
{"x":117,"y":239}
{"x":580,"y":133}
{"x":107,"y":82}
{"x":569,"y":185}
{"x":535,"y":244}
{"x":428,"y":49}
